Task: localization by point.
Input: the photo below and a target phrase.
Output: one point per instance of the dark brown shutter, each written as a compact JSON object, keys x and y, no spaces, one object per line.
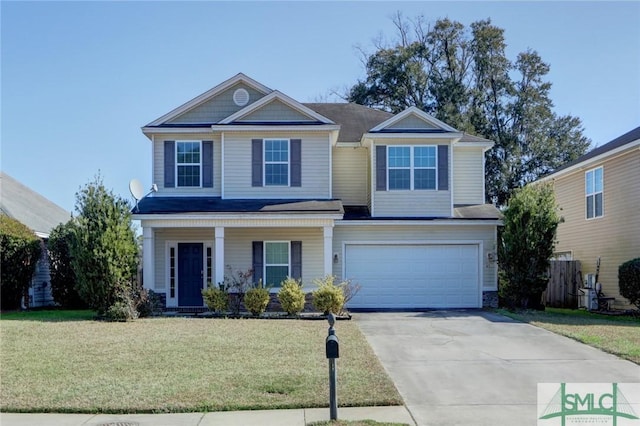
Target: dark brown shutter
{"x":296,"y":162}
{"x":381,"y":167}
{"x":296,"y":260}
{"x":169,"y":164}
{"x":443,"y":167}
{"x":207,"y":164}
{"x":258,"y":261}
{"x":256,"y":162}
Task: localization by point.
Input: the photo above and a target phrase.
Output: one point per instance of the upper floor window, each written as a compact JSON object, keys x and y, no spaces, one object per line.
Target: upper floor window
{"x":412,"y":167}
{"x":276,"y":162}
{"x":593,"y":192}
{"x":188,"y":163}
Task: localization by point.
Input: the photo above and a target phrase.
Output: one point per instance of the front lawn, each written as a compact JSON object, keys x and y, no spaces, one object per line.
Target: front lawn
{"x":66,"y":362}
{"x":618,"y":335}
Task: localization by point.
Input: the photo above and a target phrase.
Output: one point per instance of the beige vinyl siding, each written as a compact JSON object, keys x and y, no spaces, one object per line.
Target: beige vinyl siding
{"x":276,"y":111}
{"x":218,"y":108}
{"x":315,"y":167}
{"x":239,"y":249}
{"x":411,"y":122}
{"x":423,"y":233}
{"x":468,"y":176}
{"x":350,"y":175}
{"x":161,"y":250}
{"x":614,"y":237}
{"x":158,"y":164}
{"x":407,"y":203}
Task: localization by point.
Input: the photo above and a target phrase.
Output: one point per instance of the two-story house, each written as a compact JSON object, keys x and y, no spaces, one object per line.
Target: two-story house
{"x":599,"y":197}
{"x":250,"y":178}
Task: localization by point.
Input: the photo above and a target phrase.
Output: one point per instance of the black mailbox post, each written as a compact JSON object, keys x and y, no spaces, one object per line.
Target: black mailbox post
{"x":333,"y":352}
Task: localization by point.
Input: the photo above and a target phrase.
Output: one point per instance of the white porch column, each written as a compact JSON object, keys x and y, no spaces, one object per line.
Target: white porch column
{"x":219,"y":255}
{"x":328,"y":250}
{"x":148,"y":258}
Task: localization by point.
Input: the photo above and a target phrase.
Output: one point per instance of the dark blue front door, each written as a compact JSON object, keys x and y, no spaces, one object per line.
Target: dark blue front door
{"x":190,"y":274}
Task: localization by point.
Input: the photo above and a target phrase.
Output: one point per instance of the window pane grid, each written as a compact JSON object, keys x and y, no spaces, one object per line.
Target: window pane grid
{"x":412,"y":168}
{"x":276,"y":155}
{"x":188,"y":163}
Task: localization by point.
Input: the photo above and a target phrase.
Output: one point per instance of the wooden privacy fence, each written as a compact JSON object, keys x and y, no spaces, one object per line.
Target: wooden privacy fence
{"x":565,"y":278}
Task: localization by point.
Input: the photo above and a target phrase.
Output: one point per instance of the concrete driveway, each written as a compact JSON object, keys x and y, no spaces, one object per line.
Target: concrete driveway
{"x":470,"y":367}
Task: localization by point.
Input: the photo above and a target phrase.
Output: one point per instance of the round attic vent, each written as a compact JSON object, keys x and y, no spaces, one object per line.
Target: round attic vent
{"x":241,"y":97}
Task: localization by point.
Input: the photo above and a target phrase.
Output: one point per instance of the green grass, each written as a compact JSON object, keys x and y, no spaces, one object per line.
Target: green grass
{"x":65,"y":362}
{"x":618,"y":335}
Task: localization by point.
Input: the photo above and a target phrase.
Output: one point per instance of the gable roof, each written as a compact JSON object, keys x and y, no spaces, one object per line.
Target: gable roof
{"x":435,"y":124}
{"x":209,"y":94}
{"x":273,"y":96}
{"x":30,"y":208}
{"x":617,"y":144}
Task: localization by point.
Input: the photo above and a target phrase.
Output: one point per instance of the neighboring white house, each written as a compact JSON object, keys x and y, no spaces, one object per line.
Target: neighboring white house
{"x":41,"y":216}
{"x":250,"y":178}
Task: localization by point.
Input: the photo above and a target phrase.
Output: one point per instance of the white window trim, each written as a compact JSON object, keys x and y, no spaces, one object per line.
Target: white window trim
{"x":265,"y":162}
{"x":188,"y":164}
{"x":412,"y":167}
{"x":594,"y":193}
{"x":264,"y":261}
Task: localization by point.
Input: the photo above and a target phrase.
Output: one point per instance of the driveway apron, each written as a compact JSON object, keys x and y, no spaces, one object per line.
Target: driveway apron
{"x":471,"y":367}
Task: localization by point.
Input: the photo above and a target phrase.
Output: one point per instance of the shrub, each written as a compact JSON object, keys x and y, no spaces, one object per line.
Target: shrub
{"x":121,"y":311}
{"x":328,"y":297}
{"x":291,"y":296}
{"x":629,"y":281}
{"x":20,"y":250}
{"x":236,"y":283}
{"x":256,"y":300}
{"x":149,"y":303}
{"x":216,"y":299}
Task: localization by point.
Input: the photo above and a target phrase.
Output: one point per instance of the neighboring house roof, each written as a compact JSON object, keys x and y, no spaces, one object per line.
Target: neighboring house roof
{"x":171,"y":205}
{"x":30,"y":208}
{"x":631,"y":137}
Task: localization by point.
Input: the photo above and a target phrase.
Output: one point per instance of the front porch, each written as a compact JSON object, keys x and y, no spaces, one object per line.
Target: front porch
{"x":180,"y":258}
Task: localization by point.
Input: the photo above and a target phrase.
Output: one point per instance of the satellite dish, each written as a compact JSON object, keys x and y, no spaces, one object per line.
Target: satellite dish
{"x":135,"y":186}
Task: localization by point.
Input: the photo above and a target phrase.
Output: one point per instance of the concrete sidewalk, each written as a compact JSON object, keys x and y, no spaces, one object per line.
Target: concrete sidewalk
{"x":297,"y":417}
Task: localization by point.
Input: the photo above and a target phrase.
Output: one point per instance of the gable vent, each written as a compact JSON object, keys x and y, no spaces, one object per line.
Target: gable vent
{"x":241,"y":97}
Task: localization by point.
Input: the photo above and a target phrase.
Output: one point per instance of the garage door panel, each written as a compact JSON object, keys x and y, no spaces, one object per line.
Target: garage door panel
{"x":414,"y":276}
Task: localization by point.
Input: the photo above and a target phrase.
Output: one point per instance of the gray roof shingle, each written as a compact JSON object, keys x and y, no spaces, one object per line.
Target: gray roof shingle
{"x":30,"y":208}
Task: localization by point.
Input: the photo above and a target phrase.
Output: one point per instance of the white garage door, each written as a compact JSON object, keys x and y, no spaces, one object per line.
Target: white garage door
{"x":414,"y":276}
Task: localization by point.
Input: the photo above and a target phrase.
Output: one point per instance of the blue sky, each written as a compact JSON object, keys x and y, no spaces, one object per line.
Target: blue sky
{"x":79,"y":79}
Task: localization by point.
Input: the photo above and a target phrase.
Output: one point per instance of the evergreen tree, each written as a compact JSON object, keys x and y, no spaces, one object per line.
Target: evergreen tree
{"x":104,"y":250}
{"x":526,"y":244}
